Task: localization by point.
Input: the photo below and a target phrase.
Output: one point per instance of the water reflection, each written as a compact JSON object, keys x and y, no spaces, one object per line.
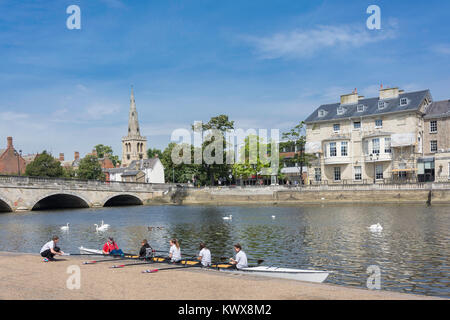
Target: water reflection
{"x":412,"y":251}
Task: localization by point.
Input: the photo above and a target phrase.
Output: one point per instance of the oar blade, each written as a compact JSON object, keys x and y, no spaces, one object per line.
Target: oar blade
{"x":150,"y":271}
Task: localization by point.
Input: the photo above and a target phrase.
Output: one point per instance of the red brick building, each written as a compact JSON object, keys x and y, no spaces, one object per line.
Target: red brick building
{"x":11,"y":161}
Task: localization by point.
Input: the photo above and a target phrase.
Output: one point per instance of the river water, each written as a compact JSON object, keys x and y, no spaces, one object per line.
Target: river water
{"x":412,"y":252}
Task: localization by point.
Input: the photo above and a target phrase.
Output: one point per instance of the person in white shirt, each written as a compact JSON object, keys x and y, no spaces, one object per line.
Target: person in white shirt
{"x":241,"y":258}
{"x":175,"y":251}
{"x":49,"y":250}
{"x":205,"y":255}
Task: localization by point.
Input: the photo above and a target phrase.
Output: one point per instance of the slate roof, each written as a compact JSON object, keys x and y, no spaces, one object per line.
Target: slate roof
{"x":130,"y":173}
{"x":371,"y":107}
{"x":142,"y":164}
{"x":439,"y":109}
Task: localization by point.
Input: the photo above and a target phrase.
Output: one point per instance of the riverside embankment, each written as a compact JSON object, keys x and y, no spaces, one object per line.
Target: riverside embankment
{"x":25,"y":276}
{"x":433,"y":193}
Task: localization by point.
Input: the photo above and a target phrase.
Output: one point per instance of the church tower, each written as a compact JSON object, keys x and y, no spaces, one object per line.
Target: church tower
{"x":134,"y":146}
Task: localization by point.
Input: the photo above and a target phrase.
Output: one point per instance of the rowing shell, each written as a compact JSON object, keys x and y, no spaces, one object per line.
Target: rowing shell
{"x":84,"y":250}
{"x":284,"y":273}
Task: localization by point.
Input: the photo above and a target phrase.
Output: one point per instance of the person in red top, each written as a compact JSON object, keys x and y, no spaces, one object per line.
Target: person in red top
{"x":111,"y":247}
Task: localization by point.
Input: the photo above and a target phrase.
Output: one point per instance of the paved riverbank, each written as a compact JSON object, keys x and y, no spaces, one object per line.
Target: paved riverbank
{"x":25,"y":276}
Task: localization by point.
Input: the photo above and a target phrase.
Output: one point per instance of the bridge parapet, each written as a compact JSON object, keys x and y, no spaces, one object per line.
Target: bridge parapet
{"x":73,"y":184}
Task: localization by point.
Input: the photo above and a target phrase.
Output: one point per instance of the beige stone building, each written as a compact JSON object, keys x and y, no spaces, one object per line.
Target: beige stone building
{"x":134,"y":146}
{"x":368,"y":140}
{"x":436,"y":162}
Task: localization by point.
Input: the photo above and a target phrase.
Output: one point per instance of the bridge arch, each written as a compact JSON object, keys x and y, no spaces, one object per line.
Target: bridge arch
{"x":61,"y":200}
{"x":5,"y":206}
{"x":123,"y":199}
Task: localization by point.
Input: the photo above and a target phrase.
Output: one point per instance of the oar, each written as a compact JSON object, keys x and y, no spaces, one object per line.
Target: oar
{"x":177,"y":268}
{"x":109,"y":260}
{"x":258,"y":261}
{"x":136,"y":264}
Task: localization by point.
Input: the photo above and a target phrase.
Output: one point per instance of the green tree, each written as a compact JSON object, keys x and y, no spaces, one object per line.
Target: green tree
{"x":179,"y":173}
{"x":151,"y":153}
{"x":106,"y":151}
{"x":296,"y":140}
{"x":44,"y":165}
{"x":250,"y":162}
{"x":219,"y":124}
{"x":90,"y":169}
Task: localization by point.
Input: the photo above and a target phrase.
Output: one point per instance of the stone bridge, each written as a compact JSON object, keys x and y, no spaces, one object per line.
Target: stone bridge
{"x":30,"y":193}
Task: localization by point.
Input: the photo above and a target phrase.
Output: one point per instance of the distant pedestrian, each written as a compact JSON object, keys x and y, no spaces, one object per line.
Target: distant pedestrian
{"x":49,"y":250}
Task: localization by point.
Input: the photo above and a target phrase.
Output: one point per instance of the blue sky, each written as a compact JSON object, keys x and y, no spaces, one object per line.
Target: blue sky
{"x":266,"y":64}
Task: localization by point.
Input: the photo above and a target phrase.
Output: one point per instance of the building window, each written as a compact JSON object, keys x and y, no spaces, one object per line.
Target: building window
{"x":403,"y":101}
{"x":340,"y":110}
{"x":381,"y":104}
{"x":434,"y":146}
{"x":344,"y":151}
{"x":318,"y":174}
{"x":433,"y":127}
{"x":387,"y":145}
{"x":379,"y":172}
{"x":360,"y":108}
{"x":376,"y":146}
{"x":379,"y":123}
{"x":337,"y":173}
{"x":337,"y":127}
{"x":333,"y":149}
{"x":358,"y":174}
{"x":357,"y":125}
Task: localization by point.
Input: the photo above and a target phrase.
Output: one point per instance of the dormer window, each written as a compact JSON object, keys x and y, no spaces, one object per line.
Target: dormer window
{"x":322,"y":113}
{"x":381,"y":104}
{"x":360,"y":108}
{"x":341,"y":110}
{"x":403,"y":101}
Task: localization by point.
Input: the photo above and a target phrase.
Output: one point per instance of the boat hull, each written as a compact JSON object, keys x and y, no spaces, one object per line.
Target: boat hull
{"x":284,"y":273}
{"x":90,"y":251}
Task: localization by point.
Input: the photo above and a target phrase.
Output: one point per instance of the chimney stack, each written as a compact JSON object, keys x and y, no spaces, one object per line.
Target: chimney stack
{"x":94,"y":152}
{"x":77,"y":155}
{"x":61,"y":157}
{"x":10,"y":142}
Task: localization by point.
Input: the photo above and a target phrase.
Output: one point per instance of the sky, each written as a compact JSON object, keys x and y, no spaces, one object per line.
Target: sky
{"x":265,"y":64}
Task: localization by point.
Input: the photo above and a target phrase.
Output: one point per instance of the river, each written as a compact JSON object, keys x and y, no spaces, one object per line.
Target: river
{"x":412,"y":252}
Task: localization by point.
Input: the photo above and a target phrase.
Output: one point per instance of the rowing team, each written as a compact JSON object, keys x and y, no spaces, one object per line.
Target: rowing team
{"x":49,"y":250}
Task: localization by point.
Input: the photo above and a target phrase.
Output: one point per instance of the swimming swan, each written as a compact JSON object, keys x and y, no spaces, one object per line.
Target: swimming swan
{"x":66,"y":227}
{"x":376,"y":227}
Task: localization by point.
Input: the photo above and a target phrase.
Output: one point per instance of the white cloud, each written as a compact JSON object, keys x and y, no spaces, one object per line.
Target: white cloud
{"x":443,"y":49}
{"x":13,"y":116}
{"x":306,"y":43}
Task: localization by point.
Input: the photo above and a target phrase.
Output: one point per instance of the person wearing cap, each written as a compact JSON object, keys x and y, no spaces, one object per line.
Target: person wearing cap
{"x":241,"y":258}
{"x":110,"y":247}
{"x":49,"y":250}
{"x":205,"y":255}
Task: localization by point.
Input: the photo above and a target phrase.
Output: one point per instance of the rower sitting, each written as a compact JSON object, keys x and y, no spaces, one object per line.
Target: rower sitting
{"x":205,"y":255}
{"x":175,"y":251}
{"x":241,"y":258}
{"x":49,"y":250}
{"x":146,"y":250}
{"x":112,"y":248}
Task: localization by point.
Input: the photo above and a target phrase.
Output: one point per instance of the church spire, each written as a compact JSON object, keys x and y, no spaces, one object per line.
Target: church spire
{"x":133,"y":123}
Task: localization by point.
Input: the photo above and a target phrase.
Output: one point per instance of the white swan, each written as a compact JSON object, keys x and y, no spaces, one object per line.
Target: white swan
{"x":376,"y":228}
{"x":273,"y":217}
{"x":103,"y":227}
{"x":230,"y":217}
{"x":66,"y":227}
